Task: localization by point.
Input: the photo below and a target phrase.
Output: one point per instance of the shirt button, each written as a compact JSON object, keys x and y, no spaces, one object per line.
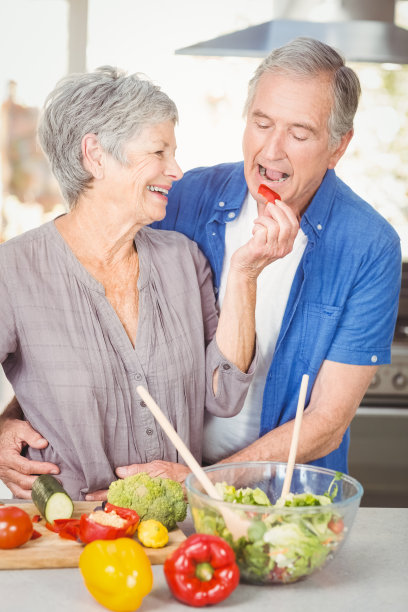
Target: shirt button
{"x":213,"y":234}
{"x":143,"y":405}
{"x":226,"y":366}
{"x":374,"y":358}
{"x":319,"y":227}
{"x":149,"y":431}
{"x":137,"y":376}
{"x":221,"y":204}
{"x":231,"y":215}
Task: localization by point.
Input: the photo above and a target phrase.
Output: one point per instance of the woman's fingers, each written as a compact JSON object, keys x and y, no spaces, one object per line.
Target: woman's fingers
{"x":282,"y":227}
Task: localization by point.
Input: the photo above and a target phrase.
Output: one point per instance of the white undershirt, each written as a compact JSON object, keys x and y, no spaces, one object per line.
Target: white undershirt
{"x":223,"y":437}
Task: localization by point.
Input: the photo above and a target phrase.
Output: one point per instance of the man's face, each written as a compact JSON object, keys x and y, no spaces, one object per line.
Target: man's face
{"x":286,"y":140}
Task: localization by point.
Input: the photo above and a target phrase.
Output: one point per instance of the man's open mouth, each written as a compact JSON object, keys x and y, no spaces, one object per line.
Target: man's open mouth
{"x":273,"y":175}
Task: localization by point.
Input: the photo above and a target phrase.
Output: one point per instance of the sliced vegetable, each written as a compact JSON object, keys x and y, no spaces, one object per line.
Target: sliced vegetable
{"x":66,"y":528}
{"x":117,"y":573}
{"x":35,"y":535}
{"x":51,"y":499}
{"x":282,"y":546}
{"x":153,"y":534}
{"x":268,"y":193}
{"x":108,"y":524}
{"x":202,"y":570}
{"x":16,"y":527}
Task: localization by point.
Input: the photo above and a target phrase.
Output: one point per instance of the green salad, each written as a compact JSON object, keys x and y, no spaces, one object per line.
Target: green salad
{"x":280,"y":546}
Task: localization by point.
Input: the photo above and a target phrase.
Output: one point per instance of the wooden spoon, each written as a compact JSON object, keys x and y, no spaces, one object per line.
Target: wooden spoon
{"x":295,"y":440}
{"x":235,"y":524}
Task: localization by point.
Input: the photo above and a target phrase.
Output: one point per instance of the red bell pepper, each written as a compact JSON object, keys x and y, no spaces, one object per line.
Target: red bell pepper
{"x":66,"y":528}
{"x":268,"y":193}
{"x":91,"y":529}
{"x":202,"y":570}
{"x":87,"y":528}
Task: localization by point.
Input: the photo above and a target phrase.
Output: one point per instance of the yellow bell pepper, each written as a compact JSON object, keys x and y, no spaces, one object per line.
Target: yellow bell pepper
{"x":152,"y":534}
{"x":117,"y":573}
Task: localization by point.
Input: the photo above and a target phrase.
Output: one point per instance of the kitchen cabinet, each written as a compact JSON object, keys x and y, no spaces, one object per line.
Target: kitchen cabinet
{"x":378,"y":455}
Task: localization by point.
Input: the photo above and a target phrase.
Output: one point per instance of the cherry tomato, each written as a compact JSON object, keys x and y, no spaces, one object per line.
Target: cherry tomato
{"x":336,"y":525}
{"x":16,"y":527}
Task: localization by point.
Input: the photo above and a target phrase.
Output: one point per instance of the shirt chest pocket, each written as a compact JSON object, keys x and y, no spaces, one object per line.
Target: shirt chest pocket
{"x":318,"y":329}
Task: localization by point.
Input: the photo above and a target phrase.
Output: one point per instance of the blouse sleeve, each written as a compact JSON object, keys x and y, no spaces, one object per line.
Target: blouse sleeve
{"x":233,"y":384}
{"x":8,"y":336}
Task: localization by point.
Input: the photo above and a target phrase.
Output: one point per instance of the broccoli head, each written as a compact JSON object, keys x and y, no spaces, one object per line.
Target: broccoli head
{"x":156,"y":498}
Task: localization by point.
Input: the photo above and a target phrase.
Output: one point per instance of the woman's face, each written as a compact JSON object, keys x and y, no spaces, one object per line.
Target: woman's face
{"x":140,"y":187}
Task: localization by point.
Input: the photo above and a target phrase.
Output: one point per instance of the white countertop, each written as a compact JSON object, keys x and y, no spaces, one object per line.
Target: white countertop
{"x":368,"y":575}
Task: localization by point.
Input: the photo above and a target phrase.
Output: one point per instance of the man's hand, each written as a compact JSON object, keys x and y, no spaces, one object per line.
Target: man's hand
{"x":16,"y":471}
{"x":164,"y":469}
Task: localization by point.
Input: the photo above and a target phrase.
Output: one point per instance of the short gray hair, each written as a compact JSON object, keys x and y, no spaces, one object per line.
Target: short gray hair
{"x":307,"y":57}
{"x":105,"y":102}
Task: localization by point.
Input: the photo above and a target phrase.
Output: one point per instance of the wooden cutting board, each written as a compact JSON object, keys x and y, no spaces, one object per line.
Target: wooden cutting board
{"x":51,"y":551}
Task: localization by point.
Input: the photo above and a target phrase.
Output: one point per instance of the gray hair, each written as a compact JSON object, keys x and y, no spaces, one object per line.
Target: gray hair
{"x":307,"y":57}
{"x":105,"y":102}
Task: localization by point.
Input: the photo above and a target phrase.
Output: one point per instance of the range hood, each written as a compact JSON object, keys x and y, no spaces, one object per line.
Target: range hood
{"x":362,"y":30}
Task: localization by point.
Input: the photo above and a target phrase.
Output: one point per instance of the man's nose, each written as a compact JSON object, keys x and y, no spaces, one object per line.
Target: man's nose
{"x":274,"y":145}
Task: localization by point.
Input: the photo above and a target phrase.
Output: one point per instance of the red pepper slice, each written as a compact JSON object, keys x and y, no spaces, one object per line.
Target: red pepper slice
{"x":268,"y":193}
{"x":90,"y":530}
{"x":36,"y":518}
{"x":35,"y":535}
{"x":202,"y":570}
{"x":66,"y":528}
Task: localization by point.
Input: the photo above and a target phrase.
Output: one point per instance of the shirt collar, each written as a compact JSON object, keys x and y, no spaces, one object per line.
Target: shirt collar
{"x":233,"y":193}
{"x":317,"y":213}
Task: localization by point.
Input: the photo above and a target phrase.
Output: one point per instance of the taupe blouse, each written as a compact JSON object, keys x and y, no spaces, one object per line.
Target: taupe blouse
{"x":75,"y":371}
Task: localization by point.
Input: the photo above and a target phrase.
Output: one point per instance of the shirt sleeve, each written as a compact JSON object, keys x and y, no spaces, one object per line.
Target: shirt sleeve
{"x":8,"y":336}
{"x":233,"y":384}
{"x":366,"y":328}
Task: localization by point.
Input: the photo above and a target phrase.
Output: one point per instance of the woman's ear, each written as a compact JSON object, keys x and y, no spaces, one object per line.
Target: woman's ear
{"x":92,"y":155}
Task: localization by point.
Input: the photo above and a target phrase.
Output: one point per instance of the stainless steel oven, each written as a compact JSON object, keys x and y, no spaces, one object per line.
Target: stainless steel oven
{"x":378,"y":455}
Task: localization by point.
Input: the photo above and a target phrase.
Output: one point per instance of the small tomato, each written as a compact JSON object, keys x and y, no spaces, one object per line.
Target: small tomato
{"x":336,"y":525}
{"x":16,"y":527}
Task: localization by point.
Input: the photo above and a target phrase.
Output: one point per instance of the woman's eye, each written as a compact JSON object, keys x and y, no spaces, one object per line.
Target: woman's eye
{"x":262,"y":126}
{"x":159,"y":153}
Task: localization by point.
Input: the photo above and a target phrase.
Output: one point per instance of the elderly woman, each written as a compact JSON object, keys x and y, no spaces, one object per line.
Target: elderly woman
{"x":95,"y":303}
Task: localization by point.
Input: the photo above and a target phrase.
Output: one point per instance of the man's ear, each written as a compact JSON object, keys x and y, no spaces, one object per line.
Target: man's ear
{"x":92,"y":155}
{"x":339,"y":151}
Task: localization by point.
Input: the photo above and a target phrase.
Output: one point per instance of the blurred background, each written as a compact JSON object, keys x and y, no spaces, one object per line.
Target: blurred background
{"x":42,"y":40}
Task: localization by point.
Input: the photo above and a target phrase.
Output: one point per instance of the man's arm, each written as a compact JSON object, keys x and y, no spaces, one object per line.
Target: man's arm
{"x":335,"y":397}
{"x":17,"y":472}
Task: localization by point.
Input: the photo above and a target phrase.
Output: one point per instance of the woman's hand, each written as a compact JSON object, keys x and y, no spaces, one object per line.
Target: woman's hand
{"x":273,"y":235}
{"x":16,"y":471}
{"x":164,"y":469}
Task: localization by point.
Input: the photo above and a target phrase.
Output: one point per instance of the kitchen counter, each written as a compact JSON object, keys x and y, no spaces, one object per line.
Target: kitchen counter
{"x":369,"y":574}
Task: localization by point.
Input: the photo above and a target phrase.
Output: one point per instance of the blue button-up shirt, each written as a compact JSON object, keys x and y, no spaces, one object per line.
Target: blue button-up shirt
{"x":343,"y":301}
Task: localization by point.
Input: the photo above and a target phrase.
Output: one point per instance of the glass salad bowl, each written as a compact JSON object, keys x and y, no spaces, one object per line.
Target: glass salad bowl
{"x":285,"y":540}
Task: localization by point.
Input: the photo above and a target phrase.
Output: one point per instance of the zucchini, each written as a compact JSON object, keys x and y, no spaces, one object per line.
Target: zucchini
{"x":52,"y":501}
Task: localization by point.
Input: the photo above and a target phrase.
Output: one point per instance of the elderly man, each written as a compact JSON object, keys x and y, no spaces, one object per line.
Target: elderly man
{"x":328,"y":308}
